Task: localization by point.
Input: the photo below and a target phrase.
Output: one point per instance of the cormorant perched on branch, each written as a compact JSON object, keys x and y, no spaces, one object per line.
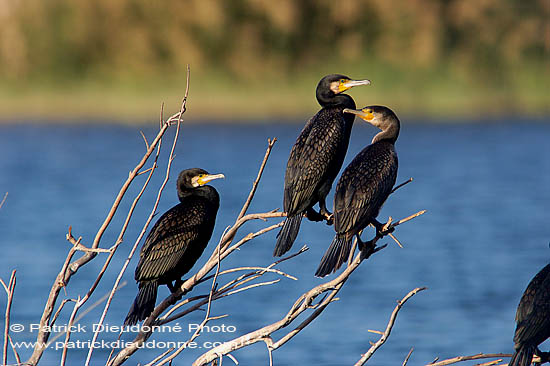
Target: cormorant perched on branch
{"x":316,"y":158}
{"x":363,"y":187}
{"x":176,"y":241}
{"x":533,"y":320}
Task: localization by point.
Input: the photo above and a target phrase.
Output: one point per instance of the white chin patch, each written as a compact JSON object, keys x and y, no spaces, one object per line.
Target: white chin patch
{"x":195,"y":182}
{"x":335,"y":87}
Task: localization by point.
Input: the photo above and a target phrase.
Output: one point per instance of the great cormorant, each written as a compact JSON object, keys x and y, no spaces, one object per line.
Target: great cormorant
{"x":176,"y":241}
{"x":532,"y":319}
{"x":316,"y":157}
{"x":363,"y":187}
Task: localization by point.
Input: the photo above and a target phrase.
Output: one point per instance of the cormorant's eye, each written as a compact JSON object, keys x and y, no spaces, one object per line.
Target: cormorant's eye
{"x":342,"y":81}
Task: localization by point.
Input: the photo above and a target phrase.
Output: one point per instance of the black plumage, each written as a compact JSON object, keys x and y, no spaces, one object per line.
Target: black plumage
{"x":363,"y":187}
{"x":316,"y":158}
{"x":532,"y":319}
{"x":176,"y":241}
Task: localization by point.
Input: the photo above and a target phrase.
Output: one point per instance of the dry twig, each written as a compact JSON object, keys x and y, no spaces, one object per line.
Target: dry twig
{"x":364,"y":358}
{"x":3,"y":199}
{"x":10,"y":288}
{"x":407,"y":358}
{"x":478,"y":356}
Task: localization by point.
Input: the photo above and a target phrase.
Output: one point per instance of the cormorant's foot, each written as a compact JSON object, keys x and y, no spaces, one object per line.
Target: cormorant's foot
{"x":365,"y":246}
{"x":313,"y":215}
{"x":175,"y":287}
{"x":380,"y":231}
{"x":170,"y":287}
{"x":368,"y":248}
{"x":329,"y":219}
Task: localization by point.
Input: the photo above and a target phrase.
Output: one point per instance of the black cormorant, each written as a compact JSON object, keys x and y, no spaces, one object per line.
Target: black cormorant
{"x":176,"y":241}
{"x":316,"y":157}
{"x":363,"y":187}
{"x":532,"y":319}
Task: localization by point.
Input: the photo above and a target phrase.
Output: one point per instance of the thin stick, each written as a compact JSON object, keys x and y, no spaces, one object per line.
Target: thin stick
{"x":401,"y":185}
{"x":9,"y":289}
{"x":269,"y":343}
{"x":54,"y":318}
{"x":270,"y":143}
{"x":15,"y":354}
{"x":469,"y":358}
{"x":144,"y":139}
{"x":396,"y":240}
{"x":490,"y":363}
{"x":4,"y":200}
{"x":68,"y":333}
{"x":408,"y":356}
{"x":258,"y":270}
{"x":364,"y":358}
{"x":156,"y":359}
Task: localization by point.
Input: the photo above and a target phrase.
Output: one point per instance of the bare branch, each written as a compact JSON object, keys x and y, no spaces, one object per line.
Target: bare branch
{"x":270,"y":143}
{"x":9,"y":290}
{"x":478,"y":356}
{"x":145,"y":139}
{"x":15,"y":354}
{"x":490,"y":363}
{"x":77,"y":305}
{"x":408,"y":356}
{"x":3,"y":199}
{"x":364,"y":358}
{"x":401,"y":185}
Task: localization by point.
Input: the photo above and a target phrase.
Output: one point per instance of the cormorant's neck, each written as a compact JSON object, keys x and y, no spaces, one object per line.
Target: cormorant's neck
{"x":331,"y":99}
{"x":390,"y":134}
{"x":207,"y":192}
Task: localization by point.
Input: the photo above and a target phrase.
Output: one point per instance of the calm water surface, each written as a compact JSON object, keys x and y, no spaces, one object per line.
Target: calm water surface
{"x":486,"y":233}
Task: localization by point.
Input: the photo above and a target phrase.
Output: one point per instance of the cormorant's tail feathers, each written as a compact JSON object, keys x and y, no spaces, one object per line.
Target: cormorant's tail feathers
{"x":336,"y":255}
{"x":523,"y":356}
{"x":144,"y":304}
{"x":287,"y":235}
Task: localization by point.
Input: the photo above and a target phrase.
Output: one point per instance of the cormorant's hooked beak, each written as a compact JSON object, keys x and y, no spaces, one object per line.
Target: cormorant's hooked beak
{"x":203,"y":179}
{"x":348,"y":84}
{"x":365,"y":113}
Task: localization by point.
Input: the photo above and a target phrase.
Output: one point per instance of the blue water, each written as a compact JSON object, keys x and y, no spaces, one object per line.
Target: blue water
{"x":485,"y":235}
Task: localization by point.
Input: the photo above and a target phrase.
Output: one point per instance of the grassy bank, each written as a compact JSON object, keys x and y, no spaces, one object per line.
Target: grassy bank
{"x":435,"y":94}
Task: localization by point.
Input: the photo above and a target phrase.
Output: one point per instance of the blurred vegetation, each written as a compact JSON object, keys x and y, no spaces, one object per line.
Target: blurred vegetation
{"x":263,"y":58}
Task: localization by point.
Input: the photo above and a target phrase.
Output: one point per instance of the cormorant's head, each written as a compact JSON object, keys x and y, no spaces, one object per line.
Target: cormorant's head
{"x":381,"y":117}
{"x":337,"y":83}
{"x":195,"y":177}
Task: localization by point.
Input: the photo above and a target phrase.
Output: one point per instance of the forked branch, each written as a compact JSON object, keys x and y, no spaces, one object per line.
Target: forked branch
{"x":302,"y":304}
{"x":384,"y":336}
